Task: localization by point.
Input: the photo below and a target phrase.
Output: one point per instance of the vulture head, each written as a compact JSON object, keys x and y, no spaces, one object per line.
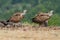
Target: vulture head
{"x":24,"y":12}
{"x":50,"y":13}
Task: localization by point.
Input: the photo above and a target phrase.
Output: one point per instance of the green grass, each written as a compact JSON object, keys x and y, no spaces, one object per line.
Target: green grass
{"x":55,"y":20}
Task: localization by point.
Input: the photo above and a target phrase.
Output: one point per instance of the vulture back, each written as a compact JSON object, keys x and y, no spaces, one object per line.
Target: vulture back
{"x":41,"y":18}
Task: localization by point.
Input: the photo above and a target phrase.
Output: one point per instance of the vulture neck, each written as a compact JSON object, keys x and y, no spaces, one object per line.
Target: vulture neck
{"x":50,"y":13}
{"x":24,"y":12}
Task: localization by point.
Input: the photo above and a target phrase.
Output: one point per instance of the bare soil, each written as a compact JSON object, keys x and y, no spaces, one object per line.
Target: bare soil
{"x":30,"y":33}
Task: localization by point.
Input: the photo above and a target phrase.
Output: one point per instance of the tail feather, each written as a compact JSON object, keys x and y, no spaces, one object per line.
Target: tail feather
{"x":7,"y":21}
{"x":4,"y":22}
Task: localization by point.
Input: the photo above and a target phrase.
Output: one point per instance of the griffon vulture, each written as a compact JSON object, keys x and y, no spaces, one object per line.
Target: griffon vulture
{"x":42,"y":18}
{"x":17,"y":17}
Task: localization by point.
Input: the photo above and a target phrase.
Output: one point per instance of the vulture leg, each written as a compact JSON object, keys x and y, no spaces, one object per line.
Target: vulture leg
{"x":46,"y":23}
{"x":41,"y":24}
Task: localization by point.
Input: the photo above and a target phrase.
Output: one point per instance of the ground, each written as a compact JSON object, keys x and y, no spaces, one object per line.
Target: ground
{"x":29,"y":33}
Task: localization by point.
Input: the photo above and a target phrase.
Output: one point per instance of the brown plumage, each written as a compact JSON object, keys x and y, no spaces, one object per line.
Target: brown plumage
{"x":17,"y":17}
{"x":42,"y":18}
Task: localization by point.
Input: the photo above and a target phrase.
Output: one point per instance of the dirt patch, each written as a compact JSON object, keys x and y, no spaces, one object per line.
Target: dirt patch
{"x":29,"y":33}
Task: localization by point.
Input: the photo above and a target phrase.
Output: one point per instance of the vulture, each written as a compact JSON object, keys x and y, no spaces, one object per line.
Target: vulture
{"x":42,"y":18}
{"x":15,"y":18}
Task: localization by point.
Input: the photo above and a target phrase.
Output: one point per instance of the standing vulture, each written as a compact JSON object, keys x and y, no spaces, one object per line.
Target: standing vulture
{"x":42,"y":18}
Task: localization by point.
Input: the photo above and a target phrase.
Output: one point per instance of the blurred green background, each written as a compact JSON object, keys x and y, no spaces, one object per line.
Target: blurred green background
{"x":9,"y":7}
